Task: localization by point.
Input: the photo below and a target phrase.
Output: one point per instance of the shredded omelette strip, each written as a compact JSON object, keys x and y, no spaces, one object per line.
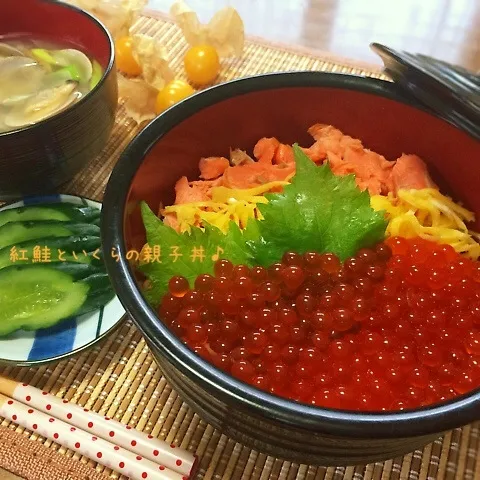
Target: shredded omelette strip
{"x":227,"y":204}
{"x":424,"y":213}
{"x":428,"y":214}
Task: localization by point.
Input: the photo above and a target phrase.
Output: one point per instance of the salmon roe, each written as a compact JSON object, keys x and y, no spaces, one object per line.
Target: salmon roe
{"x":395,"y":327}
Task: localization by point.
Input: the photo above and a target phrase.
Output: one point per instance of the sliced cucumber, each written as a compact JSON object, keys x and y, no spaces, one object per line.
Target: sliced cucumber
{"x":68,"y":248}
{"x":100,"y":292}
{"x":95,"y":301}
{"x":15,"y":232}
{"x":35,"y":297}
{"x":62,"y":212}
{"x":78,"y":271}
{"x":50,"y":265}
{"x":98,"y":281}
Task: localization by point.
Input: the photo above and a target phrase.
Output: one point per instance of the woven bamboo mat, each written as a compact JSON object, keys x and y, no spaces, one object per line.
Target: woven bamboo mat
{"x":119,"y":378}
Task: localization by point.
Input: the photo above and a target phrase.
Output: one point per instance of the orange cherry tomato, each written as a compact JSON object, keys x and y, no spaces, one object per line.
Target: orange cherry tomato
{"x":126,"y":62}
{"x":202,"y":64}
{"x":172,"y":93}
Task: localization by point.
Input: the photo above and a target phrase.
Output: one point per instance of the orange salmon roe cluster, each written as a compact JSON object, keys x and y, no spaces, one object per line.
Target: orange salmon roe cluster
{"x":395,"y":327}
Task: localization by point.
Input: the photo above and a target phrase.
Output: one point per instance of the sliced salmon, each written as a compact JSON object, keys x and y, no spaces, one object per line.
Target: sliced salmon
{"x":410,"y":172}
{"x":372,"y":171}
{"x":240,"y":157}
{"x":275,"y":161}
{"x":271,"y":151}
{"x":346,"y":155}
{"x":265,"y":149}
{"x":329,"y":139}
{"x":170,"y":219}
{"x":278,"y":173}
{"x":284,"y":155}
{"x":333,"y":137}
{"x":205,"y":186}
{"x":186,"y":193}
{"x":243,"y":176}
{"x":213,"y":167}
{"x":254,"y":174}
{"x":317,"y":153}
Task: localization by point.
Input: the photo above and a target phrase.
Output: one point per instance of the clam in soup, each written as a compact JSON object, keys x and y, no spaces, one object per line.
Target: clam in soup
{"x":39,"y":79}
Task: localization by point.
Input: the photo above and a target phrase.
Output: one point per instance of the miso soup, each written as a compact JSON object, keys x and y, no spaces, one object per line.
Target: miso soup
{"x":39,"y":78}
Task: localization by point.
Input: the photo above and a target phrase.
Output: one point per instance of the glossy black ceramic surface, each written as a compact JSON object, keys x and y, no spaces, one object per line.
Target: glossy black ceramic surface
{"x":450,"y":91}
{"x":237,"y":114}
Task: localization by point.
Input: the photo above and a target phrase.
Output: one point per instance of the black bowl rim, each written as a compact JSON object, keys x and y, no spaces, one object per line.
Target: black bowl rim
{"x":85,"y":98}
{"x":424,"y":421}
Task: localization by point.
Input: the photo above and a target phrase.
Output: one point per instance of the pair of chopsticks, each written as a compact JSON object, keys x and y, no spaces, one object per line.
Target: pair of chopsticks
{"x":106,"y":441}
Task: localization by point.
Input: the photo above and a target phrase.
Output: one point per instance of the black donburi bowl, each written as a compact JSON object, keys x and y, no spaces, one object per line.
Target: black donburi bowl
{"x":40,"y":158}
{"x":237,"y":114}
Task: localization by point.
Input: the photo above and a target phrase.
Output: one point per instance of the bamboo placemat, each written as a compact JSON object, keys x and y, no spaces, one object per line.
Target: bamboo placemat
{"x":120,"y":379}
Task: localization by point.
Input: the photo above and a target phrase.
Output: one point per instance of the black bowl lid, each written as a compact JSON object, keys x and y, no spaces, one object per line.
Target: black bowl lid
{"x":450,"y":91}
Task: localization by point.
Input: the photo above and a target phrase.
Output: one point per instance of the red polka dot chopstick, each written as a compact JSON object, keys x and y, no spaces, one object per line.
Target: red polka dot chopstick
{"x":102,"y":439}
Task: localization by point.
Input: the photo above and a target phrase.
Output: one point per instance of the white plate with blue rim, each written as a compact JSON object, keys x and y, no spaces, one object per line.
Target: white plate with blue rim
{"x":70,"y":336}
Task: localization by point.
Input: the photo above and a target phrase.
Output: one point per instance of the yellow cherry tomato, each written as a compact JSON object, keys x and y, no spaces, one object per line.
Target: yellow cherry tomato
{"x":172,"y":93}
{"x":126,"y":62}
{"x":202,"y":64}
